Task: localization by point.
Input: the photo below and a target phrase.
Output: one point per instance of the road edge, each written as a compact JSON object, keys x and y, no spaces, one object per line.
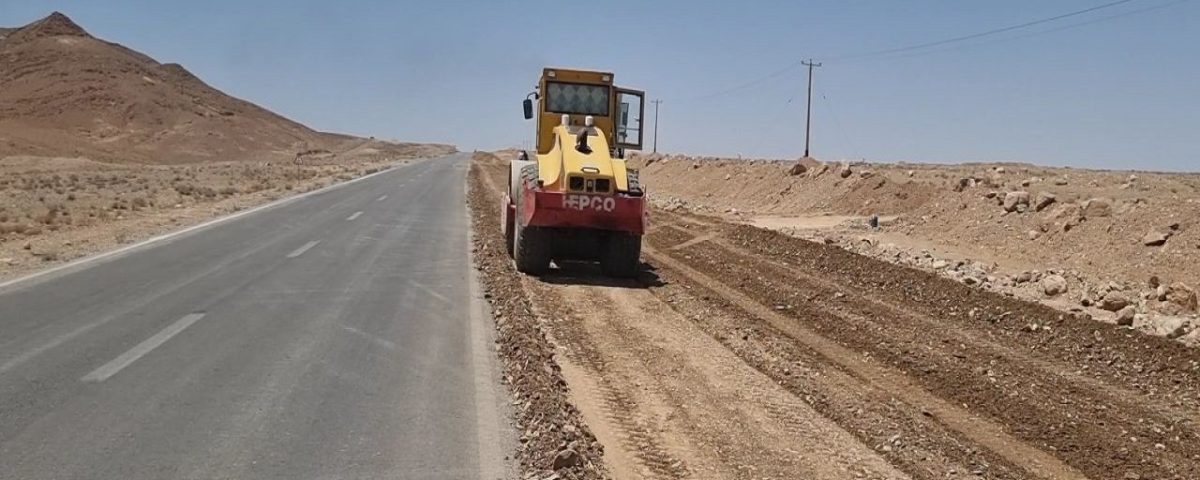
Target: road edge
{"x":553,"y":433}
{"x":490,"y":408}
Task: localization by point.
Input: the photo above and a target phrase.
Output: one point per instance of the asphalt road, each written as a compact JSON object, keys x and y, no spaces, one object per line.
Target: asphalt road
{"x":335,"y":335}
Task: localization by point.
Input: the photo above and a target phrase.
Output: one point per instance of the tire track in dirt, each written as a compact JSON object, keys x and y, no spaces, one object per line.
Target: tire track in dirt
{"x":595,"y":387}
{"x":978,"y":430}
{"x":1021,"y":360}
{"x":978,"y":340}
{"x":718,"y":411}
{"x":1186,"y":401}
{"x":1096,"y":425}
{"x":907,"y":437}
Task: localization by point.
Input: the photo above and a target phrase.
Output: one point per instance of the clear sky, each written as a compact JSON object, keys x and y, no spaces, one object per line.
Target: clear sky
{"x":1116,"y":93}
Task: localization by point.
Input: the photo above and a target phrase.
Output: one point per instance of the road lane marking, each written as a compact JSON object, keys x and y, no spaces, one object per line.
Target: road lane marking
{"x":353,"y":216}
{"x":371,"y":338}
{"x":117,"y":364}
{"x":304,"y":248}
{"x":433,"y":293}
{"x":22,"y":358}
{"x":381,"y":198}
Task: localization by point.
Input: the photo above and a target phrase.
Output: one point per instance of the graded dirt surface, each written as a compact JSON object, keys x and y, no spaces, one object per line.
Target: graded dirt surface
{"x":1130,"y":234}
{"x":742,"y":352}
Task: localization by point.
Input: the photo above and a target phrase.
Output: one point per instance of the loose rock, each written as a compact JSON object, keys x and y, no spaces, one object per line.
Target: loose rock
{"x":1171,"y":327}
{"x":1097,"y":207}
{"x":1013,"y":200}
{"x":1182,"y":296}
{"x":1053,"y":285}
{"x":1043,"y":200}
{"x":566,"y":459}
{"x":1126,"y":315}
{"x":1114,"y":301}
{"x":1155,"y":238}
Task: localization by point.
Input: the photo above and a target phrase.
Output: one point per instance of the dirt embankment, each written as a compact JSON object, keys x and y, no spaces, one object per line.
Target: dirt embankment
{"x":1123,"y":247}
{"x":742,"y":352}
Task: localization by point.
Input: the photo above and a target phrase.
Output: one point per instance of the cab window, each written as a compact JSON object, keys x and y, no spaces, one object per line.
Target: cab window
{"x":577,"y":98}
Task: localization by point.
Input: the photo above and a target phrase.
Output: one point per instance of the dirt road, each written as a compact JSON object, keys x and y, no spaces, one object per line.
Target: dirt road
{"x":744,"y":353}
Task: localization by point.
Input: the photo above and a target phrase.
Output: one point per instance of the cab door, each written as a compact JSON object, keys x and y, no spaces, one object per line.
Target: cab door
{"x":631,"y":107}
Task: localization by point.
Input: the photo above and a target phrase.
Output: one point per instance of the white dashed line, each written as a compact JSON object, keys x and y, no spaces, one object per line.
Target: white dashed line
{"x":300,"y":251}
{"x":117,"y":364}
{"x":354,"y":216}
{"x":381,"y":198}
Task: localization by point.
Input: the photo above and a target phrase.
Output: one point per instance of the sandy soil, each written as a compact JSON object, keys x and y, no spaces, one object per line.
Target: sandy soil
{"x":1094,"y":229}
{"x":742,"y":352}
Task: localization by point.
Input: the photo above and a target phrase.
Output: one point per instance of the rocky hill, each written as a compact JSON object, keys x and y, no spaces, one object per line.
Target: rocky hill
{"x":66,"y":93}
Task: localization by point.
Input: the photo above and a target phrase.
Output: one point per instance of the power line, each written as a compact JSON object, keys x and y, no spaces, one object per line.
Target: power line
{"x":980,"y":34}
{"x":745,"y":85}
{"x":800,"y":62}
{"x":1034,"y":34}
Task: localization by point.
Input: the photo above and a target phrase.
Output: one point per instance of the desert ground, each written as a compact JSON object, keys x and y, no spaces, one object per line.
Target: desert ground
{"x":764,"y":340}
{"x":1120,"y":246}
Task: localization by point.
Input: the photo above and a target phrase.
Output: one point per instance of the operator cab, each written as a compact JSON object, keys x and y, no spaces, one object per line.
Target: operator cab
{"x":571,"y":97}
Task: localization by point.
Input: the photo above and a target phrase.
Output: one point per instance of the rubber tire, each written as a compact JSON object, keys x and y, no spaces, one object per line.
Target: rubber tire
{"x":622,"y":255}
{"x":531,"y":245}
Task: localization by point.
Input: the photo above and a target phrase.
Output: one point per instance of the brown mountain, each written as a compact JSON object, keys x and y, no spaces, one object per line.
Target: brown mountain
{"x":66,"y":93}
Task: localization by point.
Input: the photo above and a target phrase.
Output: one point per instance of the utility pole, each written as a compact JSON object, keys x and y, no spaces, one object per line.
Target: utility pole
{"x":656,"y":102}
{"x":808,"y":116}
